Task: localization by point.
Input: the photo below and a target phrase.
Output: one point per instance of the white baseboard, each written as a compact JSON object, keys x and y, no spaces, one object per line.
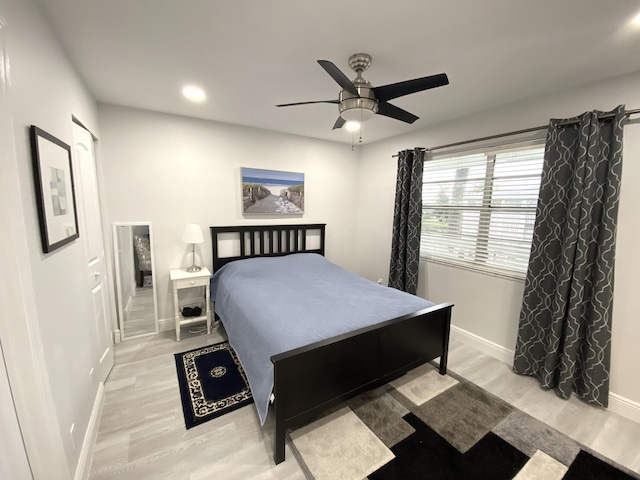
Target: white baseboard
{"x":624,"y":406}
{"x":482,"y":344}
{"x":86,"y":454}
{"x":166,"y":324}
{"x":617,"y":403}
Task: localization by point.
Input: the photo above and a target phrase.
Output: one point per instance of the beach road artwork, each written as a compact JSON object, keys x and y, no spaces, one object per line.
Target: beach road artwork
{"x":272,"y":192}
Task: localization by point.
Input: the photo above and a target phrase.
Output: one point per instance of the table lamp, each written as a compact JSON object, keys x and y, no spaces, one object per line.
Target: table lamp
{"x":193,"y":234}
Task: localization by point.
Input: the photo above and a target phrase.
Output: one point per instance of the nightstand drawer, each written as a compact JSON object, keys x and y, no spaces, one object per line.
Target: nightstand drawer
{"x":191,"y":282}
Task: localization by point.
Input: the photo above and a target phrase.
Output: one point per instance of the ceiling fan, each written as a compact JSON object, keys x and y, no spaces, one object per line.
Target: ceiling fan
{"x":358,"y":101}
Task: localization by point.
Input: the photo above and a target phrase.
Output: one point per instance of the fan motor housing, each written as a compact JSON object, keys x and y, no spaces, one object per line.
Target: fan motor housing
{"x":358,"y":109}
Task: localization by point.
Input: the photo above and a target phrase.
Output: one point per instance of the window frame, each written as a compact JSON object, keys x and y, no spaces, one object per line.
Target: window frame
{"x":491,"y":151}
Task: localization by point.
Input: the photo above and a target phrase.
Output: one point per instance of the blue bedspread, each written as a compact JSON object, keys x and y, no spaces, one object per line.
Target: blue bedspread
{"x":273,"y":305}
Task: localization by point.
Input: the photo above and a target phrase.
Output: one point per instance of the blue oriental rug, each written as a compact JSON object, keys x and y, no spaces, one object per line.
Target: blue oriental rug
{"x":212,"y":383}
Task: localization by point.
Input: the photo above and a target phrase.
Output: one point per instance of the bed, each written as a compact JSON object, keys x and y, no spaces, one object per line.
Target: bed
{"x":380,"y":337}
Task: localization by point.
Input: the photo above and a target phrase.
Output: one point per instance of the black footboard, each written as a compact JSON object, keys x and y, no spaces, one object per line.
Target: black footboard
{"x":313,"y":378}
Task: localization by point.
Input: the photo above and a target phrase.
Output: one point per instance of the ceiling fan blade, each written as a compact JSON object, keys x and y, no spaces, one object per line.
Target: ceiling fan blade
{"x":306,"y":103}
{"x":339,"y":123}
{"x":395,"y":90}
{"x":392,"y":111}
{"x":339,"y":77}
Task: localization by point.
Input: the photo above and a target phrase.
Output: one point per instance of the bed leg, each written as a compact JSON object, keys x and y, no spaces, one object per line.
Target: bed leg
{"x":445,"y":344}
{"x":279,"y":411}
{"x":278,"y":441}
{"x":443,"y":363}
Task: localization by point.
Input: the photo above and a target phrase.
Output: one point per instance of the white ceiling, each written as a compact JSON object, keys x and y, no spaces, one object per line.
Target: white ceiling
{"x":251,"y":55}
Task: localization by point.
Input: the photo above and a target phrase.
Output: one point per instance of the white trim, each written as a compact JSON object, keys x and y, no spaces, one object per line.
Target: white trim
{"x":624,"y":406}
{"x":617,"y":403}
{"x":166,"y":324}
{"x":154,"y":276}
{"x":482,"y":344}
{"x":106,"y":240}
{"x":127,"y":309}
{"x":123,"y":315}
{"x":86,"y":454}
{"x":478,"y":254}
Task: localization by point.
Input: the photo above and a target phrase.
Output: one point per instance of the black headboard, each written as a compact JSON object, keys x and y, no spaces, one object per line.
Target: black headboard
{"x":266,"y":240}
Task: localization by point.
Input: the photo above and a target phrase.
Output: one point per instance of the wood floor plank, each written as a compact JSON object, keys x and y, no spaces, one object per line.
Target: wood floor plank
{"x":142,"y":433}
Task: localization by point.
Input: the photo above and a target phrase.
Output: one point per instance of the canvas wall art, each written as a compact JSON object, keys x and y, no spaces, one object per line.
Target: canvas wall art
{"x":272,"y":192}
{"x":53,"y":177}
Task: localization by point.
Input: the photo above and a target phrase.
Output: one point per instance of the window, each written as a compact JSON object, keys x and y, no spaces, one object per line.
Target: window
{"x":478,"y":209}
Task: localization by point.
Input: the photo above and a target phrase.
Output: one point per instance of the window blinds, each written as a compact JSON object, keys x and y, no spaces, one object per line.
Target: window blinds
{"x":479,"y":208}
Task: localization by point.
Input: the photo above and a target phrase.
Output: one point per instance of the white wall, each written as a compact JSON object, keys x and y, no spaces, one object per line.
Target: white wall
{"x":13,"y":458}
{"x":172,"y":170}
{"x":488,"y":306}
{"x":47,"y":346}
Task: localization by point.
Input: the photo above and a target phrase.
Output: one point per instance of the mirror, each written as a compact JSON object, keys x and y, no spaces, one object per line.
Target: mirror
{"x":135,"y":279}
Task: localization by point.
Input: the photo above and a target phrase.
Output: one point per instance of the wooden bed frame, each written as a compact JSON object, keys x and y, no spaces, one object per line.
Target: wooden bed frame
{"x":310,"y":379}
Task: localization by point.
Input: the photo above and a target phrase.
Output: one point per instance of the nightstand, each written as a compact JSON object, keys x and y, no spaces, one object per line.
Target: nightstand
{"x":180,"y":279}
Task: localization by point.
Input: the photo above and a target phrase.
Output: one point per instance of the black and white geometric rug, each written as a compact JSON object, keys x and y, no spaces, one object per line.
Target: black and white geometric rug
{"x":428,"y":426}
{"x":212,"y":382}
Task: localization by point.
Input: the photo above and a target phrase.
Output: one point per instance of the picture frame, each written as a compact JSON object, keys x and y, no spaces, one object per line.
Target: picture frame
{"x":272,"y":192}
{"x":55,"y":192}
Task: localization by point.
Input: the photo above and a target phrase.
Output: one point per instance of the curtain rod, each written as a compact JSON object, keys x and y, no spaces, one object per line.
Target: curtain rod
{"x":518,"y":132}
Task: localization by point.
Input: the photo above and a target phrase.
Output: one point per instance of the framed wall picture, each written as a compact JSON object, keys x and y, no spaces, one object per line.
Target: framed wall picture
{"x":272,"y":192}
{"x":55,"y":195}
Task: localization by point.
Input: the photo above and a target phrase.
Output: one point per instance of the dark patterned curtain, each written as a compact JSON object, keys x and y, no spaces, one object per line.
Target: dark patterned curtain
{"x":564,"y":336}
{"x":407,"y":220}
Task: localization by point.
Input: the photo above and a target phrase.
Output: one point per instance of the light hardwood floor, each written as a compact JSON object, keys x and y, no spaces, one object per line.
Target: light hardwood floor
{"x":142,"y":433}
{"x":142,"y":318}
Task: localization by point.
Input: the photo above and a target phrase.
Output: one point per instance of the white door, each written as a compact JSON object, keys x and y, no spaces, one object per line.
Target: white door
{"x":91,"y":235}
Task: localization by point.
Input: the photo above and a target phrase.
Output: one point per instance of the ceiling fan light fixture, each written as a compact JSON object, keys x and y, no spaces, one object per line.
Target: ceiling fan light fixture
{"x":357,"y":115}
{"x":358,"y":101}
{"x":352,"y":126}
{"x":358,"y":109}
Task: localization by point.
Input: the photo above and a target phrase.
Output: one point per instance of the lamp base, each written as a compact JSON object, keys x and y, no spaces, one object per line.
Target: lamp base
{"x":193,"y":267}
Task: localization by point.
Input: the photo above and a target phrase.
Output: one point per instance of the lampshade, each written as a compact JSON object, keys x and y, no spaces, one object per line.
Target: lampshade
{"x":192,"y":234}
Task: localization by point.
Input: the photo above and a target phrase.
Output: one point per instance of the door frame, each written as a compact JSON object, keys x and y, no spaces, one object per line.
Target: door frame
{"x":106,"y":236}
{"x":79,"y":134}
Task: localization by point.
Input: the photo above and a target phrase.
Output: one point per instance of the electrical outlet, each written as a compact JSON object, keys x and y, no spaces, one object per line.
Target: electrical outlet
{"x":379,"y":281}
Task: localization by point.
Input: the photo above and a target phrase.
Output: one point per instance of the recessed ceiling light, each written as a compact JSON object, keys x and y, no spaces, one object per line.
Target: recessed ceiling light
{"x":193,"y":93}
{"x":352,"y":126}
